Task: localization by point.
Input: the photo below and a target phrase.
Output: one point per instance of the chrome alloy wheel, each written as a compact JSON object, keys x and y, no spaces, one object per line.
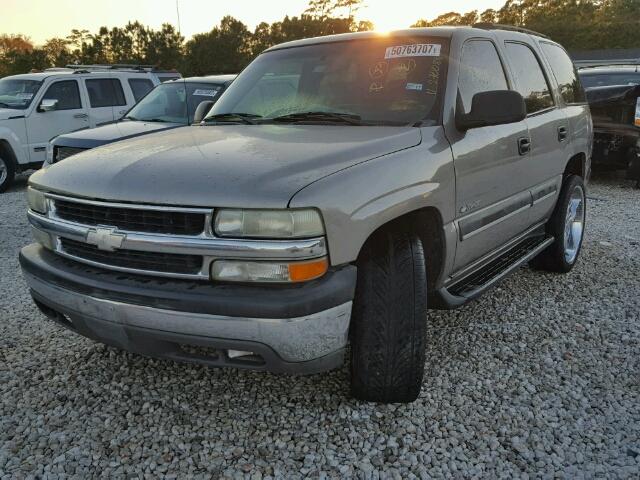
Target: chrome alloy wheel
{"x":574,"y":224}
{"x":4,"y":171}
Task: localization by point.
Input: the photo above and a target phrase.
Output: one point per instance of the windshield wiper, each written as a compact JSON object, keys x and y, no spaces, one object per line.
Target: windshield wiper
{"x":233,"y":117}
{"x":5,"y":105}
{"x":338,"y":117}
{"x":153,"y":120}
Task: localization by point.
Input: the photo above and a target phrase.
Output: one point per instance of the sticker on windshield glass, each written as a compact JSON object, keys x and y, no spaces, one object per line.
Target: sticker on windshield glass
{"x":415,"y":50}
{"x":24,"y":96}
{"x":414,"y":86}
{"x":205,"y":93}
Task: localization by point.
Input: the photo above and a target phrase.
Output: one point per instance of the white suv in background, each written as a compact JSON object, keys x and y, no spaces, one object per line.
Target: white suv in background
{"x":36,"y":107}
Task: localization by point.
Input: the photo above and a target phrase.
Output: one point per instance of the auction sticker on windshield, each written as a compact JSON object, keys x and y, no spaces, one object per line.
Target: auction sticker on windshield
{"x":205,"y":93}
{"x":415,"y":50}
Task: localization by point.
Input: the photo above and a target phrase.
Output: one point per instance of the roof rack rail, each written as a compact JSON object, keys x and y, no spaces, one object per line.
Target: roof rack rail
{"x":117,"y":66}
{"x":511,"y":28}
{"x":628,"y":62}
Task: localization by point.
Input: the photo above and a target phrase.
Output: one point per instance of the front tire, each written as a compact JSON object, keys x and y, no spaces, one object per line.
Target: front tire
{"x":567,"y":227}
{"x":7,"y":173}
{"x":388,"y":330}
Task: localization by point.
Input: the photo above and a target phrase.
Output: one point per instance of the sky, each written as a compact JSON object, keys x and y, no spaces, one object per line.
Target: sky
{"x":44,"y":19}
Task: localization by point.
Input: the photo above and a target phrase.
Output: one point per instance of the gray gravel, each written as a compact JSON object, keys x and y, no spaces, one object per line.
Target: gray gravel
{"x":539,"y":378}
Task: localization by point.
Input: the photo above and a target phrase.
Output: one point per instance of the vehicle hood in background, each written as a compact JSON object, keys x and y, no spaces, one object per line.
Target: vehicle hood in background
{"x":613,"y":109}
{"x":113,"y":132}
{"x":224,"y":165}
{"x":7,"y":113}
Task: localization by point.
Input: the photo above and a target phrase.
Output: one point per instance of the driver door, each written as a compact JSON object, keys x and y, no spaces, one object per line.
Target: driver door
{"x":69,"y":115}
{"x":492,"y":187}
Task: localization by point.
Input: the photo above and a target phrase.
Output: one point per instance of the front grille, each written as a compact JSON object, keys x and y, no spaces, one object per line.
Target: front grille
{"x":132,"y":219}
{"x":133,"y":259}
{"x":65,"y":152}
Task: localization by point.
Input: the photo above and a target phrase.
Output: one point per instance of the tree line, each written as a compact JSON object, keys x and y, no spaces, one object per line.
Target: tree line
{"x":231,"y":45}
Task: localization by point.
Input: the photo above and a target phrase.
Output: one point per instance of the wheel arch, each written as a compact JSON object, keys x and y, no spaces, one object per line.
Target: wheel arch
{"x":6,"y":152}
{"x":427,"y":223}
{"x":576,"y":165}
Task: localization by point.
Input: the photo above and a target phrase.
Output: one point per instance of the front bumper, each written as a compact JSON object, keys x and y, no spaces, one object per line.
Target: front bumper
{"x":296,"y":329}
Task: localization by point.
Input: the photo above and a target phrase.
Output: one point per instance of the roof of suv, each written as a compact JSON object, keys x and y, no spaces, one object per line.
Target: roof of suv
{"x":445,"y":32}
{"x":596,"y":69}
{"x":39,"y":76}
{"x":208,"y":79}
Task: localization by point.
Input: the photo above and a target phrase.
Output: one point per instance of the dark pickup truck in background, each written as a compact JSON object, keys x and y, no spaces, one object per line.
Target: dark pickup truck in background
{"x":613,"y":93}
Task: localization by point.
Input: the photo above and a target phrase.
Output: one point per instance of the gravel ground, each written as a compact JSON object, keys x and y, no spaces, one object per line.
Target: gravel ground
{"x":539,"y":378}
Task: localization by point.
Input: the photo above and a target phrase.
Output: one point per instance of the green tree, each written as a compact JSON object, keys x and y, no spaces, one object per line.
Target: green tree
{"x":164,"y":47}
{"x":225,"y":49}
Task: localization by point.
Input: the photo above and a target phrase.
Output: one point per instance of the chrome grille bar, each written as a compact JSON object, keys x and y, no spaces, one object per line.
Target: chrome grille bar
{"x":206,"y":244}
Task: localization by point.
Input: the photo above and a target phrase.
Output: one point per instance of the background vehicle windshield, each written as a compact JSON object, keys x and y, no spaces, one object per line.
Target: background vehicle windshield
{"x":608,"y":79}
{"x":386,"y":81}
{"x":174,"y":102}
{"x":16,"y":93}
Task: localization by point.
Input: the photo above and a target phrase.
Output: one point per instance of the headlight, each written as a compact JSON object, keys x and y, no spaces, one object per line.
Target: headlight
{"x":268,"y":223}
{"x":36,"y":200}
{"x":268,"y":272}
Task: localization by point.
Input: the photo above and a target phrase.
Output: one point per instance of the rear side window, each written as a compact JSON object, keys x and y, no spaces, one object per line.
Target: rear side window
{"x":66,"y":93}
{"x":480,"y":71}
{"x":140,"y":87}
{"x":105,"y":92}
{"x":565,"y":73}
{"x":530,"y":80}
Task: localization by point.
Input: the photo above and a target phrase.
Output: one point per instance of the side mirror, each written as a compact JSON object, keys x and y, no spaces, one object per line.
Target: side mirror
{"x":202,"y":110}
{"x":495,"y":107}
{"x":48,"y":105}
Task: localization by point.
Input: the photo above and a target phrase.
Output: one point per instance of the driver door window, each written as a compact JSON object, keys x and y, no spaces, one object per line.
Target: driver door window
{"x":480,"y":71}
{"x":66,"y":93}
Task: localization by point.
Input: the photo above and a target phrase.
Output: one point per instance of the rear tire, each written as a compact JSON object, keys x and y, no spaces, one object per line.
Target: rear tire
{"x":567,"y":227}
{"x":389,"y":323}
{"x":7,"y":173}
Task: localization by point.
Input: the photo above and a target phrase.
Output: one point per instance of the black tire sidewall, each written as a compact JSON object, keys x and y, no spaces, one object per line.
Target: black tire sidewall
{"x":389,"y":320}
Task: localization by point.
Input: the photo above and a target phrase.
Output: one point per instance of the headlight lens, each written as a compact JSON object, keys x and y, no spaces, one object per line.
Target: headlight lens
{"x":36,"y":200}
{"x":268,"y":223}
{"x":269,"y":272}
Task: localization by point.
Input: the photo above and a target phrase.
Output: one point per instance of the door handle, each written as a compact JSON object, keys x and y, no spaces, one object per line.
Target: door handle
{"x":562,"y":133}
{"x":524,"y":145}
{"x":122,"y":112}
{"x":80,"y":115}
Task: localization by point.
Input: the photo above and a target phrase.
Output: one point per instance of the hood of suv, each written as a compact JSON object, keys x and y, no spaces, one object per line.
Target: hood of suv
{"x":221,"y":166}
{"x":7,"y":113}
{"x":113,"y":132}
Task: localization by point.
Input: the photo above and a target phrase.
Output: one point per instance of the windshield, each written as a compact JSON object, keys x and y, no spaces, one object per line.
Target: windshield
{"x":609,"y":79}
{"x":16,"y":93}
{"x":381,"y":81}
{"x":174,"y":102}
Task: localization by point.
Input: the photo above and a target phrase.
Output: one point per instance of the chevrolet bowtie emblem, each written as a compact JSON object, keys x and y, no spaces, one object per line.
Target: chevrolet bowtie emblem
{"x":105,"y":238}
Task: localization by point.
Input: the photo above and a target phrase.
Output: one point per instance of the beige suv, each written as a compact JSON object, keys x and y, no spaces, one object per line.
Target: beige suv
{"x":339,"y":188}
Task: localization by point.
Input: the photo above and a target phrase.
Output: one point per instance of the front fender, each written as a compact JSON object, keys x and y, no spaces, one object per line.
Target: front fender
{"x":9,"y":136}
{"x":358,"y":200}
